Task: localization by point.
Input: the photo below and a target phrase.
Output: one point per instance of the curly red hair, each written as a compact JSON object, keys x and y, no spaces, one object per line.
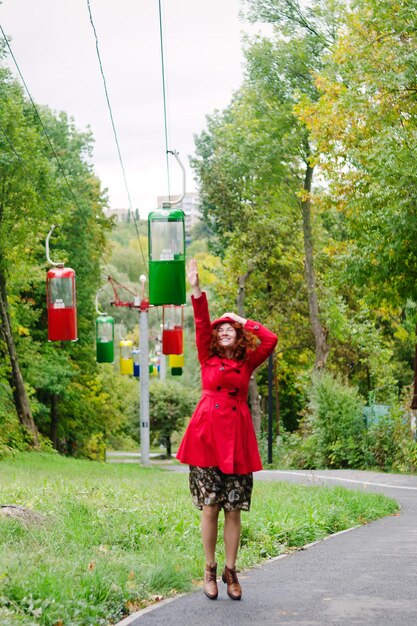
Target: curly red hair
{"x":244,"y":342}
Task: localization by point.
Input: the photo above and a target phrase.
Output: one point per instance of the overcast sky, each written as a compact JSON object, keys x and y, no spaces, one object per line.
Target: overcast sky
{"x":54,"y":45}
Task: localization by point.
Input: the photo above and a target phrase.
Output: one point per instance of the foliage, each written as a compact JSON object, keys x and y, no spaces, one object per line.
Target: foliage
{"x":254,"y":163}
{"x":42,"y":188}
{"x":364,"y":126}
{"x":170,"y":405}
{"x":334,"y":433}
{"x":390,"y":442}
{"x":331,"y":90}
{"x":114,"y":537}
{"x":333,"y":429}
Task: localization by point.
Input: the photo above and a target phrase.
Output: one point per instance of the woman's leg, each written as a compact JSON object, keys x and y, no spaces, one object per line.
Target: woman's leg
{"x":232,"y":528}
{"x":209,"y":521}
{"x":231,"y":544}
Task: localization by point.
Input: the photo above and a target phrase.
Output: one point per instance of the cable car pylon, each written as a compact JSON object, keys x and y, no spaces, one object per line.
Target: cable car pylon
{"x":142,"y":304}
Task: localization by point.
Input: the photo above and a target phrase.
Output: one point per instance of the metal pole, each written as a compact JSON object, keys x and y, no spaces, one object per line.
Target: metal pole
{"x":144,"y":379}
{"x":270,"y":405}
{"x":162,"y":367}
{"x":162,"y":359}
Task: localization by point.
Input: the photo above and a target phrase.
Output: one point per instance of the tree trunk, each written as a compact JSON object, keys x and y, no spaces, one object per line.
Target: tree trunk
{"x":20,"y":396}
{"x":168,"y":446}
{"x":54,"y":421}
{"x":254,"y":399}
{"x":320,"y":333}
{"x":414,"y":400}
{"x":413,"y":407}
{"x":277,"y":405}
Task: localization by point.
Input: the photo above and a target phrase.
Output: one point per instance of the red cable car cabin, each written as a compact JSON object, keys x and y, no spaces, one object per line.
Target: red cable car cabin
{"x":61,"y":304}
{"x":172,"y":326}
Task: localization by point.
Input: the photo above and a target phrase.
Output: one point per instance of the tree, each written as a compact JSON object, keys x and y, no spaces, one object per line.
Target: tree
{"x":364,"y":126}
{"x":80,"y":241}
{"x":24,"y":169}
{"x":170,"y":405}
{"x":255,"y":162}
{"x":39,"y":188}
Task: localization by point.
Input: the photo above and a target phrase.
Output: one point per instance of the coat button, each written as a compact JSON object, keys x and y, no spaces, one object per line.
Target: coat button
{"x":216,"y":406}
{"x":218,"y":388}
{"x":238,"y":371}
{"x":256,"y":327}
{"x":221,"y":368}
{"x":233,"y":408}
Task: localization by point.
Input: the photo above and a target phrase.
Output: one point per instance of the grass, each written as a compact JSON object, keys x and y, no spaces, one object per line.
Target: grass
{"x":113,"y":538}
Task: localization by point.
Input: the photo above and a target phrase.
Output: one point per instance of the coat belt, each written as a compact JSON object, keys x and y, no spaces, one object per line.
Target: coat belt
{"x":232,"y":394}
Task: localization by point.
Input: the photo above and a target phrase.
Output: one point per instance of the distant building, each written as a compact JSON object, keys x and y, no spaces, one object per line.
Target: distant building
{"x":191,"y":207}
{"x":122,"y":215}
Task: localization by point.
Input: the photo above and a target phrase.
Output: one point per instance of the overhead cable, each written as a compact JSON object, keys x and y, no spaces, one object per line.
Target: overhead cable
{"x":114,"y":129}
{"x":61,"y":169}
{"x":41,"y":122}
{"x":161,"y":39}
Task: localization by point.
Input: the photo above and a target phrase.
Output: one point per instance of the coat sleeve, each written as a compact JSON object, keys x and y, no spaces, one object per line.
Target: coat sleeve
{"x":268,"y":342}
{"x":203,"y":331}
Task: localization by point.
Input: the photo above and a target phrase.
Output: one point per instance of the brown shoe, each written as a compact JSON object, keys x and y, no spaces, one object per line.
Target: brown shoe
{"x":234,"y":590}
{"x":210,"y":582}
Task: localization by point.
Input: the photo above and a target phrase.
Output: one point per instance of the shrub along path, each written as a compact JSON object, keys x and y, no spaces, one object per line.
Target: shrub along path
{"x":365,"y":576}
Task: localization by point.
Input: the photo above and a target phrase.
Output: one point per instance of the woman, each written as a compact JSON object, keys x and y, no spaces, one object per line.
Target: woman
{"x":220,"y":444}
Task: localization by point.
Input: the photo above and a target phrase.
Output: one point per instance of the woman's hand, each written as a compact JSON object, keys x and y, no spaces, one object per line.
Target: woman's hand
{"x":235,"y":318}
{"x":193,"y":279}
{"x":192,"y":273}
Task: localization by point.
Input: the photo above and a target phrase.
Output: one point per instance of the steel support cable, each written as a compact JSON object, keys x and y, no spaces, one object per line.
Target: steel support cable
{"x":114,"y":130}
{"x":41,"y":196}
{"x":161,"y":39}
{"x":41,"y":122}
{"x":25,"y":169}
{"x":60,"y":167}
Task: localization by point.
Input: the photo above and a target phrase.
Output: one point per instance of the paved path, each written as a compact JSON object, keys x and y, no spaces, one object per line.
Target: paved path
{"x":365,"y":576}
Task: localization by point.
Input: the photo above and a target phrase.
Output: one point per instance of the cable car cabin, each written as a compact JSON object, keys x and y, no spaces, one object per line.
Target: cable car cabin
{"x":153,"y":365}
{"x":105,"y":339}
{"x":126,"y":358}
{"x":153,"y":370}
{"x":172,"y":329}
{"x":176,"y":360}
{"x":176,"y":371}
{"x":136,"y":362}
{"x":166,"y":245}
{"x":61,"y":304}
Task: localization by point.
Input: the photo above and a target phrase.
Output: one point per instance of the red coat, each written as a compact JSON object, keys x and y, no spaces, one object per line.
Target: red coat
{"x":221,"y":432}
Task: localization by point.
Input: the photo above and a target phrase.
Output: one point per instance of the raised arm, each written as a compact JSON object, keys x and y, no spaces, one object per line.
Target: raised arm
{"x":203,"y":331}
{"x":268,"y":341}
{"x":267,"y":338}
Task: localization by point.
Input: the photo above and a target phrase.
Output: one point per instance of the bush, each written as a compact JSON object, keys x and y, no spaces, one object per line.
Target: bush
{"x":335,"y":417}
{"x":332,"y":432}
{"x":95,"y":448}
{"x":390,"y":442}
{"x":170,"y":405}
{"x":13,"y":437}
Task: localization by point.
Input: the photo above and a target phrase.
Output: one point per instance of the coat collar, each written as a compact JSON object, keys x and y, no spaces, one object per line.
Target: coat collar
{"x":217,"y":360}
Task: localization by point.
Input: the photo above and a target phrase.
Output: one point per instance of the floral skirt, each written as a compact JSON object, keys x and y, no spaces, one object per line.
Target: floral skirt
{"x":231,"y":492}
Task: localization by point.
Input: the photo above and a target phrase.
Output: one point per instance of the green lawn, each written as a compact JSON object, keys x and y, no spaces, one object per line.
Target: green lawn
{"x":109,"y":538}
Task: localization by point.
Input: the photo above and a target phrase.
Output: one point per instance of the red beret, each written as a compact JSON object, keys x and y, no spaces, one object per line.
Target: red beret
{"x":223,"y":320}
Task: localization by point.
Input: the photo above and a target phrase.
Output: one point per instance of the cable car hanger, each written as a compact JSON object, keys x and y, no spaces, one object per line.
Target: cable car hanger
{"x":48,"y":258}
{"x":96,"y":302}
{"x":171,"y":203}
